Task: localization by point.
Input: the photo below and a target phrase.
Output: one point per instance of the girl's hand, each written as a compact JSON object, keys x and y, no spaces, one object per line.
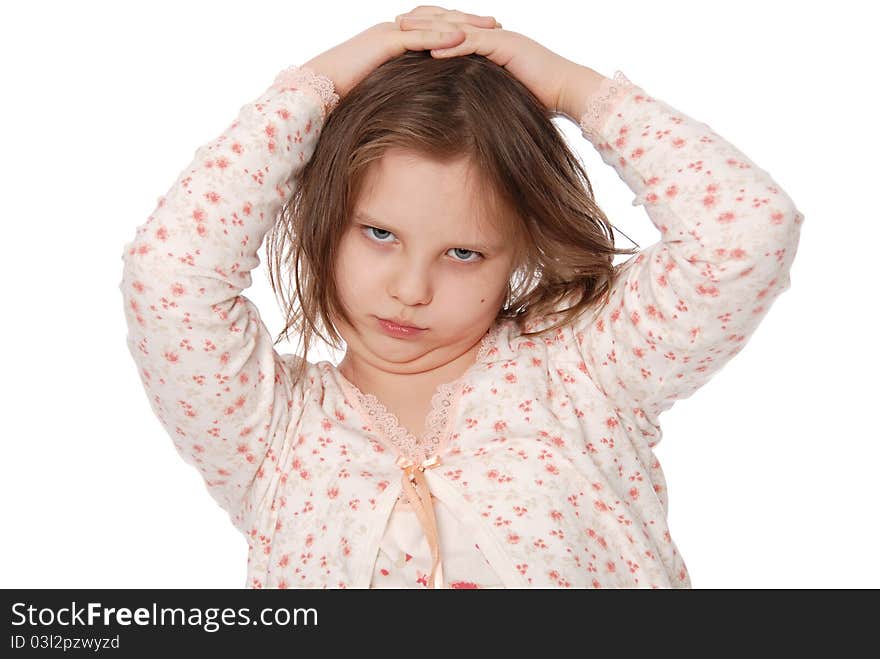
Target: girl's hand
{"x":353,"y":60}
{"x":541,"y":70}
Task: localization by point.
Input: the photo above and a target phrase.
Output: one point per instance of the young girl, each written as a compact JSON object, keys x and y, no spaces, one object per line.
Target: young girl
{"x":493,"y":420}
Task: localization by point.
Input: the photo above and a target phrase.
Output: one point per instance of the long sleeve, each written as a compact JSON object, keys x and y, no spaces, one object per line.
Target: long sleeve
{"x":204,"y":356}
{"x":683,"y":307}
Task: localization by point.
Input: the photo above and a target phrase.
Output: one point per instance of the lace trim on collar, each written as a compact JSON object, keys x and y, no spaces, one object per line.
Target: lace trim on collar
{"x":436,"y":425}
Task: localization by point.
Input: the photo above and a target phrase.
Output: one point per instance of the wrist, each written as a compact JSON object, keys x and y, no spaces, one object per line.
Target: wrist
{"x":580,"y":86}
{"x":312,"y":79}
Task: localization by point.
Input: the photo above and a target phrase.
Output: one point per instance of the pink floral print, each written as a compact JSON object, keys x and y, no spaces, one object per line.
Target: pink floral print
{"x":547,"y":475}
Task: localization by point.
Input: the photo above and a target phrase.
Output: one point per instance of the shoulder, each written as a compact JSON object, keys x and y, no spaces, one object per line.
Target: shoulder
{"x":515,"y":338}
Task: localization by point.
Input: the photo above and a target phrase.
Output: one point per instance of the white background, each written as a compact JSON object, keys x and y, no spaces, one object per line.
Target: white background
{"x":772,"y":467}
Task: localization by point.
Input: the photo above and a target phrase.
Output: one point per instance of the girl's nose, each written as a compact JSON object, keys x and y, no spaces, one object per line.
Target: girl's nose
{"x":411,"y":285}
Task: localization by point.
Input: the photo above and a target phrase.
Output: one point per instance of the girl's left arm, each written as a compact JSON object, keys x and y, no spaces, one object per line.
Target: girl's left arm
{"x":683,"y":307}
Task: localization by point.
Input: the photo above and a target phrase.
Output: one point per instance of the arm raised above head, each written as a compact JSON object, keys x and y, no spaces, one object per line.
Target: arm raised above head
{"x":683,"y":307}
{"x":205,"y":358}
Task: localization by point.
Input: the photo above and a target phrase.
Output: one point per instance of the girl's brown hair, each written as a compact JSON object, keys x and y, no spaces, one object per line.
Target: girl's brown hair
{"x":532,"y":186}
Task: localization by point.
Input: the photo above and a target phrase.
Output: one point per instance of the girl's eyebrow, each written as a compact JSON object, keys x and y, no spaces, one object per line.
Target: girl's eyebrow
{"x":478,"y":247}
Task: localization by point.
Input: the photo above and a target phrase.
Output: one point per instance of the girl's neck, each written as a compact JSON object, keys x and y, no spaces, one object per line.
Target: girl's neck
{"x":388,"y":385}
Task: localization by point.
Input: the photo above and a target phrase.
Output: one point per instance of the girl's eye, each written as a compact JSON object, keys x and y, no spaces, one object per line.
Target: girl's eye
{"x":371,"y":229}
{"x":459,"y":250}
{"x":379,"y":236}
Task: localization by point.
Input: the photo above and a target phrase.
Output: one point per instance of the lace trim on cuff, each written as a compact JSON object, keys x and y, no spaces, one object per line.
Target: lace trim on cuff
{"x":305,"y":79}
{"x":610,"y":92}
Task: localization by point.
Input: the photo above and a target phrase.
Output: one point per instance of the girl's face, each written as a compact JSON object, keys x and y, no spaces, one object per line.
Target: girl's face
{"x":414,"y":251}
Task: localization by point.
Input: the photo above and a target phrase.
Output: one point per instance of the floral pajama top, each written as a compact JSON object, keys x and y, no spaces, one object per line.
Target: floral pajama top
{"x":543,"y":471}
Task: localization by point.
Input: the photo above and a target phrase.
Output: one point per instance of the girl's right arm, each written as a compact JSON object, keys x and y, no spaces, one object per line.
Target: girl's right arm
{"x":205,"y":358}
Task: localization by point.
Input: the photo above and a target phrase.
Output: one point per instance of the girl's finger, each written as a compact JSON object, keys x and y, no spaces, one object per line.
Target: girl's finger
{"x":451,"y":17}
{"x":413,"y":23}
{"x":474,"y":43}
{"x":438,"y":25}
{"x":430,"y":39}
{"x":473,"y":19}
{"x":430,"y":10}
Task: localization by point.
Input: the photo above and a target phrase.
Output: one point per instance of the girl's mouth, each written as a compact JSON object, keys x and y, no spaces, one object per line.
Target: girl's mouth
{"x":399,"y":331}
